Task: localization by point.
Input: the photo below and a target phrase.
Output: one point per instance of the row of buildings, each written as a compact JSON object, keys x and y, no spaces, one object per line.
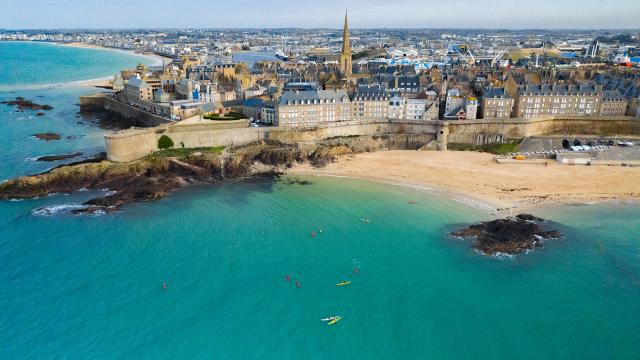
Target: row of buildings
{"x":298,"y":95}
{"x":531,"y":101}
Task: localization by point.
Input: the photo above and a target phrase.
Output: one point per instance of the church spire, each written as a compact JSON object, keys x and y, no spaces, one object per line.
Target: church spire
{"x":345,"y":56}
{"x":346,"y":46}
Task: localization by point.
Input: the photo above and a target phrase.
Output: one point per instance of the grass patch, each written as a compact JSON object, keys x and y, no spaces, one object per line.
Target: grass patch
{"x":227,"y":117}
{"x":496,"y":149}
{"x":182,"y":152}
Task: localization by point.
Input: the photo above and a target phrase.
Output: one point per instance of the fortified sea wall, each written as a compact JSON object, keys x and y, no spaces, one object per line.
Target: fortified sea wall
{"x":485,"y":131}
{"x":134,"y":115}
{"x":134,"y":144}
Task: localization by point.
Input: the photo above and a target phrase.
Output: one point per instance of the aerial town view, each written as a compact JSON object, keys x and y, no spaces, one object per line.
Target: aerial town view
{"x":344,"y":180}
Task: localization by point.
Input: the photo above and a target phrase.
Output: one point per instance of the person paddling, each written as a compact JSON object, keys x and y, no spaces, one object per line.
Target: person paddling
{"x":164,"y":285}
{"x":298,"y":284}
{"x":287,"y":277}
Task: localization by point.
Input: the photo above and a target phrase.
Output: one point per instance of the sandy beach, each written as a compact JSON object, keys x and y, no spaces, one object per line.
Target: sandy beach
{"x":497,"y":188}
{"x":158,"y":59}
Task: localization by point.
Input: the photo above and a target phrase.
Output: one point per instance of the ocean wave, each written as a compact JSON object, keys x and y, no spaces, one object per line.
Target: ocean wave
{"x":501,"y":256}
{"x":57,"y":209}
{"x":64,"y":209}
{"x":498,"y":255}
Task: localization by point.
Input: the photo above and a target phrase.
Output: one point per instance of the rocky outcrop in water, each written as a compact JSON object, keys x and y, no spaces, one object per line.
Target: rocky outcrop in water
{"x":49,"y":158}
{"x":512,"y":235}
{"x":154,"y":177}
{"x":47,"y":136}
{"x":24,"y":104}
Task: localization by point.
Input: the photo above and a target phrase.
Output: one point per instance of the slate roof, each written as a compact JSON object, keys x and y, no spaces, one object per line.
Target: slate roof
{"x":496,"y":93}
{"x":139,"y":83}
{"x":311,"y":97}
{"x":567,"y":90}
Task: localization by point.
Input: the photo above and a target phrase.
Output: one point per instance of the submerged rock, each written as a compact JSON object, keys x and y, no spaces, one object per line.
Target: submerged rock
{"x":47,"y":136}
{"x":513,"y":235}
{"x":23,"y":104}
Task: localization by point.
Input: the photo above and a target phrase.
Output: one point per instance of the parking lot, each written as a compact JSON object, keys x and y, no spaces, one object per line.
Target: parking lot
{"x":622,"y":149}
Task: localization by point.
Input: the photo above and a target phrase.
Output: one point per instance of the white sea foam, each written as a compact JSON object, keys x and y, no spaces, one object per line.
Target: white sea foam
{"x":57,"y":209}
{"x":52,"y":210}
{"x":502,"y":256}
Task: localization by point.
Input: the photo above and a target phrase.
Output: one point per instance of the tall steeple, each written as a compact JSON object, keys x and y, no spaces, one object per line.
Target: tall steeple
{"x":346,"y":46}
{"x":345,"y":56}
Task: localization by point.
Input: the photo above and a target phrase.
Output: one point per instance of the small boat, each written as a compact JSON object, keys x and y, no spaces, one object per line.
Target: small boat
{"x":330,"y":318}
{"x":338,"y":318}
{"x":343,"y":283}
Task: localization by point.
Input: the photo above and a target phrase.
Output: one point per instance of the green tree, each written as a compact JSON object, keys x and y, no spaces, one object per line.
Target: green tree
{"x":165,"y":142}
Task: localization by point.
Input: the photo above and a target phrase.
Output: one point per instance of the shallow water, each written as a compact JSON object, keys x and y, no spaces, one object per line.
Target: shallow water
{"x":26,"y":64}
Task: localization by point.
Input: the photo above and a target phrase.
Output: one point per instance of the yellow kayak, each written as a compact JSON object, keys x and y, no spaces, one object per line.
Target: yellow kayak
{"x":334,"y":320}
{"x":343,"y":283}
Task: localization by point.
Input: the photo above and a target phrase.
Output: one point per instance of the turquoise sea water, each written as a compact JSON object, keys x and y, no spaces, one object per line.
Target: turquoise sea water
{"x":92,"y":287}
{"x":34,"y":64}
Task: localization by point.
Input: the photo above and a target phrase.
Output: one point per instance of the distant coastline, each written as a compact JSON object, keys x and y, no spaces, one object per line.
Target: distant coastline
{"x":158,"y":59}
{"x":155,"y":60}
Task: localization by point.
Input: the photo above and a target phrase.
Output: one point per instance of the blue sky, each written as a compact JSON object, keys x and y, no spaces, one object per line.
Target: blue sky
{"x":554,"y":14}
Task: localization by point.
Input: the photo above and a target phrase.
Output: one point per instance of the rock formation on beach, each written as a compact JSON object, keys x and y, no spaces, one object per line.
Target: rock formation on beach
{"x":512,"y":235}
{"x":154,"y":177}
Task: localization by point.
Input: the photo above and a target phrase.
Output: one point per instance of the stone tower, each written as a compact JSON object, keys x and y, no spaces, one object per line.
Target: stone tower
{"x":345,"y":56}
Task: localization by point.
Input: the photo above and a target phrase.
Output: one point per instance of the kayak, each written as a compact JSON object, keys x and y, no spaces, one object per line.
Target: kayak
{"x":334,"y":320}
{"x":343,"y":283}
{"x":329,"y":318}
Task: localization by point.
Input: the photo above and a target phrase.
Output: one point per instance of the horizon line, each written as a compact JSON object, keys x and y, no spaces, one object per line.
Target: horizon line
{"x":320,"y":28}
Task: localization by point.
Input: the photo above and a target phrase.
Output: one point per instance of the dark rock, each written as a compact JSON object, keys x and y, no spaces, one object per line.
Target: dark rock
{"x":23,"y":104}
{"x":154,"y":177}
{"x":47,"y":136}
{"x":508,"y":236}
{"x":50,"y":158}
{"x":528,"y":217}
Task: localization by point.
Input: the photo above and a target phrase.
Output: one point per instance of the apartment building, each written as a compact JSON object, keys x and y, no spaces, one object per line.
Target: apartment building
{"x":137,"y":89}
{"x":613,"y":104}
{"x":312,"y":108}
{"x":370,"y":102}
{"x":496,"y":104}
{"x":540,"y":100}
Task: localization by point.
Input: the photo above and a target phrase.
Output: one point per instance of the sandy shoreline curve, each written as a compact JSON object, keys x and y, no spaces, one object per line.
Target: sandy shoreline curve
{"x":106,"y":81}
{"x":478,"y":181}
{"x":158,"y":59}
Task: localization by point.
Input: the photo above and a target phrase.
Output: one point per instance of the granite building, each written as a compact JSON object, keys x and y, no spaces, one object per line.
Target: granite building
{"x":539,"y":100}
{"x":312,"y":108}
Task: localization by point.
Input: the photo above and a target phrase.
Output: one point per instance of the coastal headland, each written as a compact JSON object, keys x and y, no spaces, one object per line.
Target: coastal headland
{"x":156,"y":176}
